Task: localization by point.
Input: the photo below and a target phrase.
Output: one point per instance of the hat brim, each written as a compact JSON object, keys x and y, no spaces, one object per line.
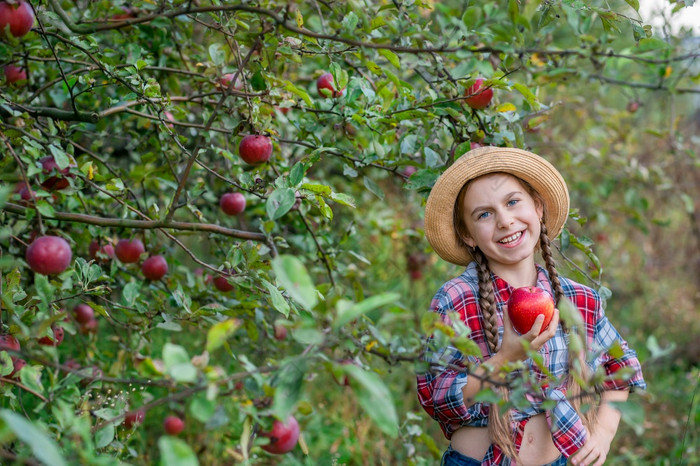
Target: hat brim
{"x":540,"y":174}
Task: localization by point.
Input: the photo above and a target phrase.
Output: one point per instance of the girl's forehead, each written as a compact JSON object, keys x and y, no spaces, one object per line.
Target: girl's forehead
{"x":492,"y":183}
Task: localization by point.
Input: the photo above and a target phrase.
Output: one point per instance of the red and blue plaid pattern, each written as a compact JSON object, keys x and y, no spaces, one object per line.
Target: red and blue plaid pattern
{"x":440,"y":388}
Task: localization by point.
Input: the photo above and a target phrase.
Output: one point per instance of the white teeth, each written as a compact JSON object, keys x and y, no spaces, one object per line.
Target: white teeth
{"x":511,"y":238}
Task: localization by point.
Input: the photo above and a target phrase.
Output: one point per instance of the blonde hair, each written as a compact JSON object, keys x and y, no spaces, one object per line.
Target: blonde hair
{"x":499,"y":424}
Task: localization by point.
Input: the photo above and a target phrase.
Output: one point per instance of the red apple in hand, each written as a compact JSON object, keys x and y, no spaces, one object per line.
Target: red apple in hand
{"x":49,"y":255}
{"x":525,"y":304}
{"x":283,"y":437}
{"x":155,"y":267}
{"x":477,"y":97}
{"x":19,"y":17}
{"x":173,"y":425}
{"x":232,"y":203}
{"x":325,"y":88}
{"x":129,"y":251}
{"x":255,"y":149}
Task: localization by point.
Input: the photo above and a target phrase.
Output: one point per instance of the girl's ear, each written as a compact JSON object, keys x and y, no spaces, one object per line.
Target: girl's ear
{"x":467,"y":240}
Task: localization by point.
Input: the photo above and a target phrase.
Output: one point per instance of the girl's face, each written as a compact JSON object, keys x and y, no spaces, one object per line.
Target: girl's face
{"x":502,"y":219}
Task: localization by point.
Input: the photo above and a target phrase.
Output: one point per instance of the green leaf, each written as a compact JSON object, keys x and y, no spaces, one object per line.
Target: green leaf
{"x":346,"y":314}
{"x":373,"y":187}
{"x":104,"y":436}
{"x":276,"y":298}
{"x":391,"y":56}
{"x":176,"y":452}
{"x":44,"y":288}
{"x":632,"y":414}
{"x":217,"y":54}
{"x":296,"y":175}
{"x":375,"y":398}
{"x":344,"y":199}
{"x":288,"y":384}
{"x":634,"y":4}
{"x":43,"y":446}
{"x":258,"y":81}
{"x":529,"y":96}
{"x":472,"y":17}
{"x":45,"y":208}
{"x":5,"y":193}
{"x":298,"y":92}
{"x":177,"y":363}
{"x":202,"y":408}
{"x":292,"y":276}
{"x":280,"y":202}
{"x":220,"y":332}
{"x":569,"y":313}
{"x":130,"y":293}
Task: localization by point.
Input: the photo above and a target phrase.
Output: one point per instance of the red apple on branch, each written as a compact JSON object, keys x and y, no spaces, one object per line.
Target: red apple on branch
{"x":255,"y":149}
{"x":9,"y":343}
{"x":59,"y":180}
{"x":56,"y":340}
{"x":134,"y":418}
{"x":18,"y":18}
{"x":173,"y":425}
{"x":14,"y":74}
{"x":155,"y":267}
{"x":101,"y":254}
{"x":225,"y":81}
{"x":477,"y":97}
{"x":82,"y":313}
{"x":49,"y":255}
{"x":280,"y":332}
{"x":221,"y":282}
{"x":325,"y":88}
{"x":283,"y":436}
{"x":129,"y":251}
{"x":525,"y":304}
{"x":232,"y":203}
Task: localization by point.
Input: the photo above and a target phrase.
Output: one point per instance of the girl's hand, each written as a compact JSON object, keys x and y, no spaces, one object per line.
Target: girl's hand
{"x":595,"y":450}
{"x":513,"y":345}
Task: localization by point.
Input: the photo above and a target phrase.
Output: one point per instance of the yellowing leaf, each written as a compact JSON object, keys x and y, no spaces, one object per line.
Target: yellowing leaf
{"x":300,"y":19}
{"x":506,"y":107}
{"x":668,"y":71}
{"x":536,"y":60}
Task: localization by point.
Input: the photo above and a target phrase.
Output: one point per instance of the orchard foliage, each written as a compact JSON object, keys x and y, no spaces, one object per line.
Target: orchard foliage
{"x":129,"y":127}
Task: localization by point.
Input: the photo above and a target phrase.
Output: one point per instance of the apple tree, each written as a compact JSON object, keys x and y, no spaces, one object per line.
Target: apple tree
{"x":216,"y":204}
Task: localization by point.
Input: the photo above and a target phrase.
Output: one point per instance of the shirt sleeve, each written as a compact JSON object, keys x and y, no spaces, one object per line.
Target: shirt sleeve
{"x":440,"y":386}
{"x":615,"y":354}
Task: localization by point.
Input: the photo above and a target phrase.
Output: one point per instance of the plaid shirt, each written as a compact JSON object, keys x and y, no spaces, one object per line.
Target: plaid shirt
{"x":440,"y":390}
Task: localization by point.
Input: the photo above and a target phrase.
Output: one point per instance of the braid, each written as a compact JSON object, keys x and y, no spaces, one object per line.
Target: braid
{"x":551,"y":266}
{"x":573,"y":389}
{"x":487,"y":301}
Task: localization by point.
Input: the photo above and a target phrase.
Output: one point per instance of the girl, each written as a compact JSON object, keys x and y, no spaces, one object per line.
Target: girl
{"x":491,"y":211}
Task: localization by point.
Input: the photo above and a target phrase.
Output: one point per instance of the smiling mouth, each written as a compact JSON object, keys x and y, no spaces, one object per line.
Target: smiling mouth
{"x":511,"y":238}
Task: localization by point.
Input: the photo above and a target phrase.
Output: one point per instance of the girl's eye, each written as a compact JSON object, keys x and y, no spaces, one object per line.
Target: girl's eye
{"x":512,"y":202}
{"x":482,"y":215}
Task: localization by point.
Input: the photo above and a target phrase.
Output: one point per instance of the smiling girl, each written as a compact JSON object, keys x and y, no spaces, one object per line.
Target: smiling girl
{"x":491,"y":211}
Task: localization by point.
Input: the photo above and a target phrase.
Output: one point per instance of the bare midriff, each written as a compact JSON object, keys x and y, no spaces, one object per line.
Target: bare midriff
{"x":537,"y":447}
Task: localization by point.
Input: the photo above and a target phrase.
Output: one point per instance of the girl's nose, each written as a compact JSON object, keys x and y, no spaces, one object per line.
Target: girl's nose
{"x":504,"y":220}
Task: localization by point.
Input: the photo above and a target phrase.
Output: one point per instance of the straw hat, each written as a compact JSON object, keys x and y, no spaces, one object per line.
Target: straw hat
{"x":439,"y":210}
